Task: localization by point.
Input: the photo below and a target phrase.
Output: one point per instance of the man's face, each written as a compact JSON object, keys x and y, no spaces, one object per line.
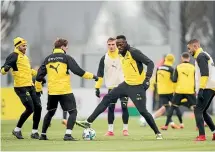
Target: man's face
{"x":192,"y":48}
{"x":121,"y":44}
{"x":22,"y":48}
{"x":65,"y":48}
{"x":111,"y":45}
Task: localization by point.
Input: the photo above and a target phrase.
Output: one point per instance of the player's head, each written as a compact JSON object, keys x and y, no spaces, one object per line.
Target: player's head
{"x":61,"y":44}
{"x":185,"y":57}
{"x":121,"y":43}
{"x":192,"y":46}
{"x":169,"y":58}
{"x":111,"y":44}
{"x":20,"y":44}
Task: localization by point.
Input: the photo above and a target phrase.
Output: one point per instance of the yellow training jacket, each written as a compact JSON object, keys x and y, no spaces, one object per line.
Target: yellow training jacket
{"x":56,"y":66}
{"x":184,"y":76}
{"x":21,"y":69}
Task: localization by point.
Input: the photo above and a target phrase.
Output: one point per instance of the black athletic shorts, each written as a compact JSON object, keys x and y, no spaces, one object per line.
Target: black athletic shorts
{"x":67,"y":102}
{"x":164,"y":99}
{"x":177,"y":99}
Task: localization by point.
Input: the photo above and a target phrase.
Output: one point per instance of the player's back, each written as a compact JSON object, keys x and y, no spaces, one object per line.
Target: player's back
{"x":186,"y":78}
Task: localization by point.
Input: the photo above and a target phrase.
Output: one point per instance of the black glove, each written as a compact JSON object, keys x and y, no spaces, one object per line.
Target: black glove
{"x":39,"y":93}
{"x":43,"y":81}
{"x":7,"y":68}
{"x":98,"y":93}
{"x":146,"y":83}
{"x":200,"y":94}
{"x":95,"y":78}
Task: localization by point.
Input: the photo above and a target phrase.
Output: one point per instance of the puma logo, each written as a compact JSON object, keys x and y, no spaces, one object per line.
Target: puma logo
{"x":185,"y":74}
{"x":161,"y":74}
{"x":55,"y":68}
{"x":113,"y":66}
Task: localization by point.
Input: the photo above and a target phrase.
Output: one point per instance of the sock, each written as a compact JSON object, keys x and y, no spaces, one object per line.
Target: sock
{"x":172,"y":123}
{"x":68,"y":131}
{"x":110,"y":127}
{"x":43,"y":133}
{"x":153,"y":116}
{"x":125,"y":126}
{"x":17,"y":129}
{"x":213,"y":132}
{"x":34,"y":131}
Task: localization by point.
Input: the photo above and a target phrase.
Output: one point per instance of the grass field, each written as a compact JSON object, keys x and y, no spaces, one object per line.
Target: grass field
{"x":141,"y":138}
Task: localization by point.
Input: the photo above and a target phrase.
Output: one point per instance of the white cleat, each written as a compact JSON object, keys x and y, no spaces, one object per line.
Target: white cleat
{"x":159,"y":137}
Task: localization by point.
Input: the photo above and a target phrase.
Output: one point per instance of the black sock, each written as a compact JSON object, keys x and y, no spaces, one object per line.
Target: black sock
{"x":125,"y":115}
{"x":167,"y":110}
{"x":111,"y":117}
{"x":65,"y":115}
{"x":24,"y":117}
{"x":37,"y":116}
{"x":72,"y":119}
{"x":47,"y":120}
{"x":179,"y":114}
{"x":169,"y":115}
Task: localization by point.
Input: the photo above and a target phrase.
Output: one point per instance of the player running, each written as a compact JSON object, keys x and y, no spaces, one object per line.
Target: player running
{"x":57,"y":66}
{"x":135,"y":85}
{"x":23,"y":74}
{"x":205,"y":82}
{"x":110,"y":69}
{"x":184,"y":77}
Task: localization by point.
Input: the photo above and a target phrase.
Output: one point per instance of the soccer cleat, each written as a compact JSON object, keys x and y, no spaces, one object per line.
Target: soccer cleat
{"x":200,"y":138}
{"x":109,"y":133}
{"x":164,"y":128}
{"x":181,"y":126}
{"x":64,"y":122}
{"x":17,"y":134}
{"x":174,"y":126}
{"x":159,"y":136}
{"x":35,"y":135}
{"x":125,"y":133}
{"x":83,"y":124}
{"x":213,"y":137}
{"x":43,"y":137}
{"x":68,"y":137}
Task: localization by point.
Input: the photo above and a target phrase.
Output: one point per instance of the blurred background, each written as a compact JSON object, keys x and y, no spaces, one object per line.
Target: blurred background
{"x":154,"y":27}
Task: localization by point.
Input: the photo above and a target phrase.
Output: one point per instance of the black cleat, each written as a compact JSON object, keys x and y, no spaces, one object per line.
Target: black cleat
{"x":83,"y":124}
{"x":69,"y":138}
{"x":43,"y":137}
{"x":18,"y":134}
{"x":35,"y":135}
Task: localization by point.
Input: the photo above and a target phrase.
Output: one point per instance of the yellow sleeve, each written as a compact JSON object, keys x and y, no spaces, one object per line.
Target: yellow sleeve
{"x":33,"y":72}
{"x":152,"y":84}
{"x":3,"y":72}
{"x":88,"y":75}
{"x":203,"y":82}
{"x":99,"y":83}
{"x":38,"y":86}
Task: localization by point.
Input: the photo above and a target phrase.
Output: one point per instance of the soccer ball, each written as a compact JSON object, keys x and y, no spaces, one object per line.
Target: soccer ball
{"x":89,"y":134}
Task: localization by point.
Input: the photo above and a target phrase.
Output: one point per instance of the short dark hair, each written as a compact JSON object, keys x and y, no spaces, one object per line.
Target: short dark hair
{"x":185,"y":55}
{"x":60,"y":42}
{"x":111,"y":39}
{"x":193,"y":41}
{"x":121,"y":37}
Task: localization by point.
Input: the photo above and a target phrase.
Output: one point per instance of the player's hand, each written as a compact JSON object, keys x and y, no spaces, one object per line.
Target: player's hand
{"x":146,"y":83}
{"x":7,"y":68}
{"x":200,"y":94}
{"x":39,"y":93}
{"x":95,"y":78}
{"x":43,"y":81}
{"x":97,"y":92}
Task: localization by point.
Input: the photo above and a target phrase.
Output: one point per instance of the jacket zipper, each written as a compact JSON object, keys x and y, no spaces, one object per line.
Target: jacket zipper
{"x":133,"y":67}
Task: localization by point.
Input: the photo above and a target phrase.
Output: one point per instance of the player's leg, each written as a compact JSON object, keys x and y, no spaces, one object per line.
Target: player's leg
{"x":26,"y":100}
{"x":51,"y":107}
{"x":125,"y":115}
{"x":68,"y":103}
{"x":138,"y":96}
{"x":107,"y":99}
{"x":64,"y":121}
{"x":179,"y":115}
{"x":37,"y":113}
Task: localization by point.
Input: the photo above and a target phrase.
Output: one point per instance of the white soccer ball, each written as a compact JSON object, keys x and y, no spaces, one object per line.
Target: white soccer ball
{"x":89,"y":134}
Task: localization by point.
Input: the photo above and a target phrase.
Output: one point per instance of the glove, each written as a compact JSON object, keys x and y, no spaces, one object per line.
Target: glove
{"x":97,"y":92}
{"x":7,"y":68}
{"x":39,"y":93}
{"x":38,"y":87}
{"x":95,"y":78}
{"x":200,"y":94}
{"x":43,"y":81}
{"x":146,"y":83}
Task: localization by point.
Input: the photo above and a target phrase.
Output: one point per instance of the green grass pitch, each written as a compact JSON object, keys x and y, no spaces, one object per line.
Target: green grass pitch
{"x":141,"y":138}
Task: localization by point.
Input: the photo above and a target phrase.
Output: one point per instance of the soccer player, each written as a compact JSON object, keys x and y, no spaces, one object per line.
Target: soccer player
{"x":57,"y":66}
{"x":20,"y":66}
{"x":205,"y":82}
{"x":110,"y":69}
{"x":165,"y":88}
{"x":184,"y":77}
{"x":135,"y":85}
